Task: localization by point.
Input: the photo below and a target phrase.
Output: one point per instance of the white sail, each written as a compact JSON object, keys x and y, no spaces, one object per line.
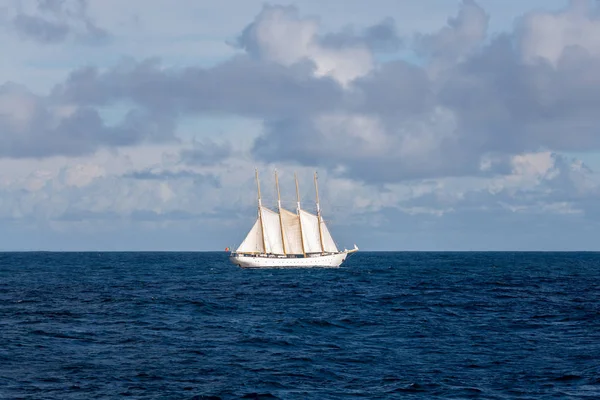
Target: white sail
{"x":253,"y":243}
{"x":291,"y":232}
{"x":288,"y":235}
{"x":272,"y":229}
{"x":328,"y":243}
{"x":310,"y":232}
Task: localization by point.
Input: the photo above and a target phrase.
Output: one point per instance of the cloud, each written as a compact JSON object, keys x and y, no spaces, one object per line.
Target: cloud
{"x":278,"y":34}
{"x":240,"y":86}
{"x":55,"y":21}
{"x":465,"y":109}
{"x":538,"y":183}
{"x":379,"y":38}
{"x":40,"y":29}
{"x":136,"y":216}
{"x":471,"y":101}
{"x":546,"y":36}
{"x":439,"y":140}
{"x":464,"y":34}
{"x":69,"y":191}
{"x":89,"y":197}
{"x":34,"y":126}
{"x":166,"y":175}
{"x":205,"y":153}
{"x":507,"y":105}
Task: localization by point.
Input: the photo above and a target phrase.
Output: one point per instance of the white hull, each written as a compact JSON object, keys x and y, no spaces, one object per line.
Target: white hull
{"x":328,"y":260}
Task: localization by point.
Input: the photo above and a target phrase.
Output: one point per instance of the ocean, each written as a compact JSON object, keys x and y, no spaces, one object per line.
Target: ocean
{"x":383,"y":326}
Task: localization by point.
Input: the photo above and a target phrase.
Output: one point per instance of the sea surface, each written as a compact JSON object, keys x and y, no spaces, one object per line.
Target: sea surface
{"x":384,"y":326}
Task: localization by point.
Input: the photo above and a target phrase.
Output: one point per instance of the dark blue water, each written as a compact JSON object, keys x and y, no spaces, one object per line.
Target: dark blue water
{"x":386,"y":325}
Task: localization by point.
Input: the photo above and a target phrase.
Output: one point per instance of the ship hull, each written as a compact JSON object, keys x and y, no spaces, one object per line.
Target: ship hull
{"x":327,"y":260}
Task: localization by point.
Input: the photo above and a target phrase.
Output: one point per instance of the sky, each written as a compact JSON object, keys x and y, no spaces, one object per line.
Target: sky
{"x":433,"y":125}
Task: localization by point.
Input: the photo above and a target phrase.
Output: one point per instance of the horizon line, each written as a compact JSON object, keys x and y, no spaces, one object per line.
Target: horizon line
{"x":361,"y":251}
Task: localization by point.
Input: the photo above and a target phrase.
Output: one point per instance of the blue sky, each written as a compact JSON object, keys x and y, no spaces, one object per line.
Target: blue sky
{"x":434,"y":125}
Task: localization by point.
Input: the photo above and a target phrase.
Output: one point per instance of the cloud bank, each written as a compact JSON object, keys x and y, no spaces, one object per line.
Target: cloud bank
{"x":469,"y":98}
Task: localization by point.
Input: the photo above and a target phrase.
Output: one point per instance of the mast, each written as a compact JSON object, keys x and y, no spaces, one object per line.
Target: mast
{"x":299,"y":216}
{"x":279,"y":209}
{"x":262,"y":225}
{"x":319,"y":218}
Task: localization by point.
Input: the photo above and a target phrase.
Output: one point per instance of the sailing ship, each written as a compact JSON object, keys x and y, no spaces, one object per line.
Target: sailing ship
{"x":287,"y":239}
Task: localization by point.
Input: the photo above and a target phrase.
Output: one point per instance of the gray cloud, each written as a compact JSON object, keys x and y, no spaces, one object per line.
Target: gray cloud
{"x":396,"y":89}
{"x":464,"y":33}
{"x":136,"y":216}
{"x":304,"y":143}
{"x":57,"y":21}
{"x":53,"y":6}
{"x":506,"y":105}
{"x":162,"y":175}
{"x":35,"y":126}
{"x":381,"y":37}
{"x":205,"y":153}
{"x":563,"y":188}
{"x":239,"y":86}
{"x":86,"y":215}
{"x":40,"y":29}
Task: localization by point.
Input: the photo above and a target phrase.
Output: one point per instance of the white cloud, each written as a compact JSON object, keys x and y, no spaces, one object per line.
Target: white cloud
{"x":280,"y":35}
{"x":547,"y":35}
{"x":81,"y":195}
{"x":358,"y":135}
{"x":81,"y":175}
{"x":533,"y":167}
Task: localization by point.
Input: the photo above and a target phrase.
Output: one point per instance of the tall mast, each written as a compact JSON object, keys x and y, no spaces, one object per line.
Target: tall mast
{"x":262,"y":225}
{"x":299,"y":216}
{"x":279,"y":209}
{"x":319,"y":218}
